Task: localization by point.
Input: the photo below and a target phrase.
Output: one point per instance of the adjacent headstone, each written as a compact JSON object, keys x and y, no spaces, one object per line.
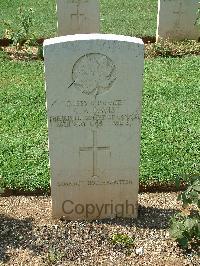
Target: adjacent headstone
{"x":94,"y":91}
{"x":78,"y":16}
{"x":177,"y":20}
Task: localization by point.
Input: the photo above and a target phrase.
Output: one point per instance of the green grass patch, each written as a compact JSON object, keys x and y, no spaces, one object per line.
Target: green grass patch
{"x":23,"y":144}
{"x":170,"y":122}
{"x":127,"y":17}
{"x":44,"y":15}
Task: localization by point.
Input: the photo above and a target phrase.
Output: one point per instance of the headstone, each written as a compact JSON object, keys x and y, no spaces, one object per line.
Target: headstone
{"x":177,"y":20}
{"x":94,"y":90}
{"x":78,"y":16}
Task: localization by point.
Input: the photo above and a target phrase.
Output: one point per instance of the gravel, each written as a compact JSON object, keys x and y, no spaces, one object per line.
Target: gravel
{"x":29,"y":236}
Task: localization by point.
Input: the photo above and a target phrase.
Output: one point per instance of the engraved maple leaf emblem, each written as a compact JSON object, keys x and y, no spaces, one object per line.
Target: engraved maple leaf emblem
{"x":94,"y":74}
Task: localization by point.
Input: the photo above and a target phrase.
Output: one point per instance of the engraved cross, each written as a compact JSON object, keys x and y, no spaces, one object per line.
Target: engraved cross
{"x":179,"y":13}
{"x":94,"y":148}
{"x":78,"y":17}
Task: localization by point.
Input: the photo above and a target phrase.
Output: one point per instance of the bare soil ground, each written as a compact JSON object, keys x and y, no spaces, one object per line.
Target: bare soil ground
{"x":23,"y":54}
{"x":29,"y":236}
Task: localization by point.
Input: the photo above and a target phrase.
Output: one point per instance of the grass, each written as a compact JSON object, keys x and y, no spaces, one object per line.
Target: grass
{"x":128,"y":17}
{"x":44,"y":15}
{"x":23,"y":155}
{"x":170,"y":122}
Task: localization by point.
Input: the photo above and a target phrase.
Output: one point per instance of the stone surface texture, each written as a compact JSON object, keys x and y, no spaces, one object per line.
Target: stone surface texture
{"x":94,"y":91}
{"x":177,"y":20}
{"x":78,"y":16}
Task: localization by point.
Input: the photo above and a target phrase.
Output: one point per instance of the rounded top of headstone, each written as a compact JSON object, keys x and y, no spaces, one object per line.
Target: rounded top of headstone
{"x":87,"y":37}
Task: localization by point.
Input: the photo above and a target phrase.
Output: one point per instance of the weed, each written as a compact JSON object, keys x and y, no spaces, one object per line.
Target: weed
{"x":185,"y":226}
{"x":53,"y":256}
{"x":21,"y":32}
{"x":122,"y":240}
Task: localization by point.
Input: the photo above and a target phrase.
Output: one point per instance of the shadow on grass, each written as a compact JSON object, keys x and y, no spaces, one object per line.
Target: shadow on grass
{"x":148,"y":217}
{"x":15,"y":234}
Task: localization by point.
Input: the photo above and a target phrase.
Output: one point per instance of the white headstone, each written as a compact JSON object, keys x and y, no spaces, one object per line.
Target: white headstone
{"x":94,"y":91}
{"x":78,"y":16}
{"x":177,"y":20}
